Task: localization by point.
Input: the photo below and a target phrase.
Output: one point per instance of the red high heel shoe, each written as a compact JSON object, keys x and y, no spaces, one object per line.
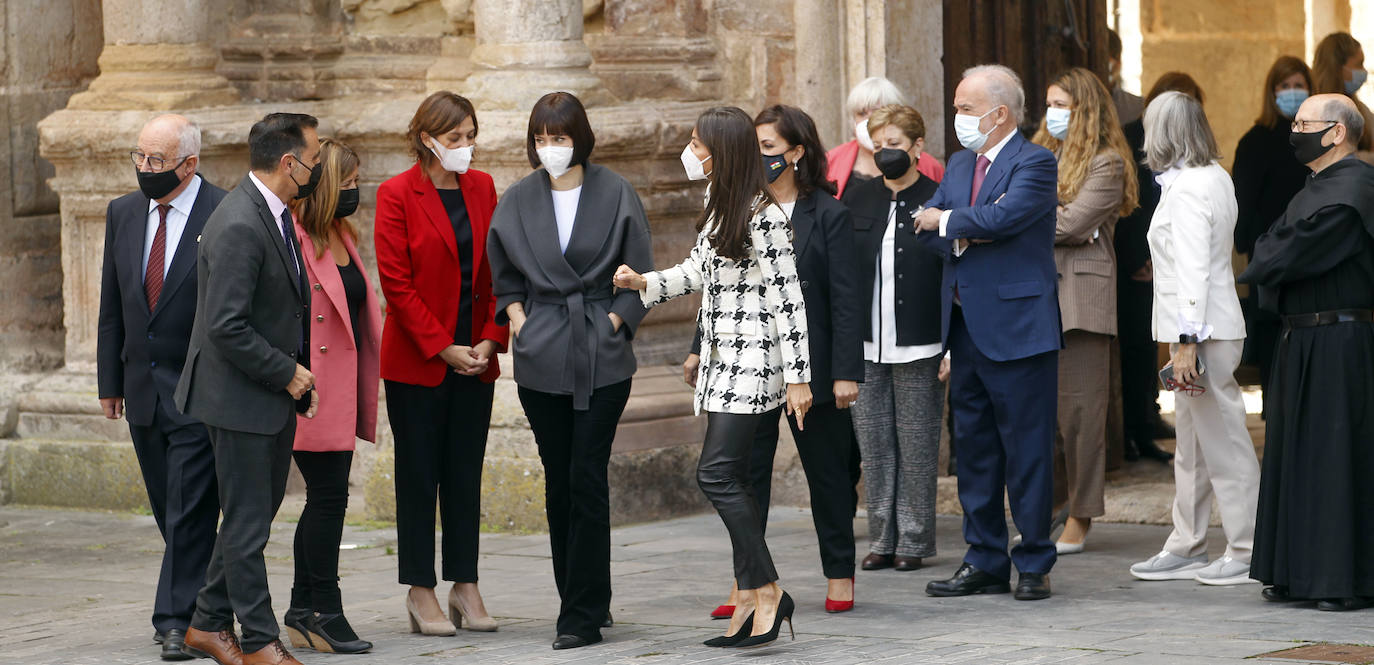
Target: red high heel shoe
{"x":833,"y":606}
{"x":723,"y":612}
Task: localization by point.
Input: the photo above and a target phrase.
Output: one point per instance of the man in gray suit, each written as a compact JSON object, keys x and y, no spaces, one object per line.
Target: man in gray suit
{"x":246,"y":378}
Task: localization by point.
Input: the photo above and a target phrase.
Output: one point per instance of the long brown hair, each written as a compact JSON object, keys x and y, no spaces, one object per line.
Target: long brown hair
{"x":738,"y":187}
{"x":1093,"y":130}
{"x":316,"y":212}
{"x":1284,"y":67}
{"x":1328,"y":74}
{"x":797,"y":128}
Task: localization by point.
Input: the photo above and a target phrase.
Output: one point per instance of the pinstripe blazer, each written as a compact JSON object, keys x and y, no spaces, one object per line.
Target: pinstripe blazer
{"x":1087,"y":264}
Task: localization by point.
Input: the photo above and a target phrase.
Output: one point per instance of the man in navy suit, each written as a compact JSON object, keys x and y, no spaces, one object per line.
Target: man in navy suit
{"x":993,"y":218}
{"x":147,"y":304}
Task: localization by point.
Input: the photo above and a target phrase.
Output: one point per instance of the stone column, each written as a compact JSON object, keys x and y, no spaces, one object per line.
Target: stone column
{"x":526,"y":48}
{"x":157,"y":55}
{"x":819,"y":67}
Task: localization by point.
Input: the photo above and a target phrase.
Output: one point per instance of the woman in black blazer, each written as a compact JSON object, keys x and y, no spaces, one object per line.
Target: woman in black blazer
{"x":795,"y":164}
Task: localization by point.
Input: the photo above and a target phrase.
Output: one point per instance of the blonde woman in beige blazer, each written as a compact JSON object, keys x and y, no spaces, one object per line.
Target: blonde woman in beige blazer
{"x":1197,"y":312}
{"x":1097,"y":185}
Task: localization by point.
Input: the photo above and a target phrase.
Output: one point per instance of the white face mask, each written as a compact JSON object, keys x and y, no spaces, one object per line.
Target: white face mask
{"x":1057,"y":122}
{"x":861,"y":133}
{"x":696,"y":168}
{"x":557,"y":160}
{"x":966,"y":129}
{"x":452,"y":159}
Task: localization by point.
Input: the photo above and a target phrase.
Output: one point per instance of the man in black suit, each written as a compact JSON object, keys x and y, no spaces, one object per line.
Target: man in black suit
{"x":147,"y":304}
{"x":246,"y":378}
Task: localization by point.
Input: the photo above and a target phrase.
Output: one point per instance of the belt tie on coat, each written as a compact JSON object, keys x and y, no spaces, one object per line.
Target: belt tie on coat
{"x":583,"y":348}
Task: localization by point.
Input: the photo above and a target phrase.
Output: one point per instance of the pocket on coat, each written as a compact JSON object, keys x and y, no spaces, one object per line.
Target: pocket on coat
{"x":1016,"y":290}
{"x":1092,"y":267}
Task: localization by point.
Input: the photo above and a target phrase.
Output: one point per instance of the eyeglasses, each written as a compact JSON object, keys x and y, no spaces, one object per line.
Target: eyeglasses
{"x":1189,"y":389}
{"x":1300,"y":126}
{"x":157,"y":164}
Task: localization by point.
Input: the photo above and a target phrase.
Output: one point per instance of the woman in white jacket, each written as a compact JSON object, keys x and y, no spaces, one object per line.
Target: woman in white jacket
{"x":1197,"y":312}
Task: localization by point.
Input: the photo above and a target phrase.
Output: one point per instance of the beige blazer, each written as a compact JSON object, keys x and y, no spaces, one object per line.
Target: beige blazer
{"x":1190,"y":246}
{"x":1087,"y":264}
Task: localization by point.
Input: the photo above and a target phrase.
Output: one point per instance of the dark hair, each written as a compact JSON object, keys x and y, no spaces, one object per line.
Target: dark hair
{"x":275,"y":135}
{"x":1284,"y":67}
{"x":1113,"y":45}
{"x":1178,"y":81}
{"x":738,"y":187}
{"x":439,"y":114}
{"x":561,"y":113}
{"x":797,"y":128}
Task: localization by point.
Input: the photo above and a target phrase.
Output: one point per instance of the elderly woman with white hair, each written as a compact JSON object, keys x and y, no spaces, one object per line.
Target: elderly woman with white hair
{"x":1197,"y":312}
{"x":854,"y":159}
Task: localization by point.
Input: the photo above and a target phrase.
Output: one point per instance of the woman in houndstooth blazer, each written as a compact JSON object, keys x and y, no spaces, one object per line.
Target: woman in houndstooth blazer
{"x":754,"y":345}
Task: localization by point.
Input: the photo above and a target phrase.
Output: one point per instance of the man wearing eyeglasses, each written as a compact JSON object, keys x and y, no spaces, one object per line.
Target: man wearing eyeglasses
{"x":147,"y":304}
{"x":1314,"y":530}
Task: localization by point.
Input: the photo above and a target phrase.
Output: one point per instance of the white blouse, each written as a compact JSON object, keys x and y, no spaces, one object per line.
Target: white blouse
{"x":884,"y":348}
{"x":565,"y":213}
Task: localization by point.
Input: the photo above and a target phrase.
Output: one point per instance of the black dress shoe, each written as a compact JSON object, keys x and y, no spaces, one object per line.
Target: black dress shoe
{"x":1163,"y":430}
{"x":158,"y":637}
{"x":1149,"y":450}
{"x":876,"y":562}
{"x":1344,"y":604}
{"x":174,"y":645}
{"x":572,"y":642}
{"x":609,"y":622}
{"x":1276,"y":594}
{"x":1033,"y":586}
{"x":966,"y":582}
{"x":905,"y":563}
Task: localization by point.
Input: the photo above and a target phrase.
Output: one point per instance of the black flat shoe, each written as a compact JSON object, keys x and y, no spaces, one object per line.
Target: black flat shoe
{"x":1276,"y":594}
{"x":731,"y":640}
{"x":1344,"y":604}
{"x":174,"y":645}
{"x":966,"y":582}
{"x":876,"y":562}
{"x":1149,"y":450}
{"x":906,"y":563}
{"x":572,"y":642}
{"x":1032,"y":586}
{"x":785,"y":608}
{"x":331,"y":633}
{"x":609,"y":622}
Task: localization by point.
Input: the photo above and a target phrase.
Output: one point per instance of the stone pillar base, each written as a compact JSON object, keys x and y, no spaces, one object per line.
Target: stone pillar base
{"x":156,"y":77}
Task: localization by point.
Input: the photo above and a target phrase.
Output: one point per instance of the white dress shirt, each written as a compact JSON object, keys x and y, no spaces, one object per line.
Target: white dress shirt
{"x":961,"y":244}
{"x":884,"y":347}
{"x":177,"y":216}
{"x":565,"y":213}
{"x":275,"y":205}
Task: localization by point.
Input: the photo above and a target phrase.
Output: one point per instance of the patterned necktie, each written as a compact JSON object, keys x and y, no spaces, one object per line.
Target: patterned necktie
{"x":157,"y":256}
{"x":980,"y":172}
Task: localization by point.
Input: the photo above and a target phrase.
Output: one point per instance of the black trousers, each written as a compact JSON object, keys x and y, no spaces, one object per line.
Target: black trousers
{"x":252,"y":471}
{"x":824,"y":449}
{"x":1139,"y":374}
{"x":178,"y":468}
{"x":575,"y":448}
{"x":441,"y":439}
{"x":320,"y":530}
{"x":723,"y":473}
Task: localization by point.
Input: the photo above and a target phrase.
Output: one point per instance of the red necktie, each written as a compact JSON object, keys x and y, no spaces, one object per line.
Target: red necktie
{"x":980,"y":171}
{"x":152,"y":279}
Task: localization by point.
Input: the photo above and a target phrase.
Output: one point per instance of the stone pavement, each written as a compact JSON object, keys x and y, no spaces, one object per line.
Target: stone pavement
{"x":76,"y":588}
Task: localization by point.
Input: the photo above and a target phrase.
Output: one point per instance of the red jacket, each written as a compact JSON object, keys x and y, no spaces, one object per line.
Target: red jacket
{"x":417,"y":261}
{"x":840,"y":163}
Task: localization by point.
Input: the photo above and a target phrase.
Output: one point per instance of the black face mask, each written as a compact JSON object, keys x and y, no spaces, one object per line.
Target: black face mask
{"x":1308,"y":148}
{"x":348,"y":203}
{"x":158,"y":185}
{"x":773,"y":166}
{"x":303,"y":191}
{"x":892,"y":162}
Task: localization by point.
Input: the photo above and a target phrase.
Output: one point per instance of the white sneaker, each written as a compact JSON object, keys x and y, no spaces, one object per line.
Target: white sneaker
{"x":1167,"y":566}
{"x":1225,"y":572}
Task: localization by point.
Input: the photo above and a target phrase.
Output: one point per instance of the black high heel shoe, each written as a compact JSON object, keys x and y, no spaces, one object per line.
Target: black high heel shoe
{"x":331,"y":633}
{"x":785,"y":607}
{"x":731,"y":640}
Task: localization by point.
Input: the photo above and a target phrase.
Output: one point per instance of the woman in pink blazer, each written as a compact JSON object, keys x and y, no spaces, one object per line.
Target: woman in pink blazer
{"x":345,"y":336}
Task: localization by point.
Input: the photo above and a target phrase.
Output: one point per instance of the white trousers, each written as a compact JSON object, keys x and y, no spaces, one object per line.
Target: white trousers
{"x":1215,"y":455}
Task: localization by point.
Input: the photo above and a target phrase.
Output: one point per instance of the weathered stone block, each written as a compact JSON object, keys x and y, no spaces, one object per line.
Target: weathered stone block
{"x":81,"y":474}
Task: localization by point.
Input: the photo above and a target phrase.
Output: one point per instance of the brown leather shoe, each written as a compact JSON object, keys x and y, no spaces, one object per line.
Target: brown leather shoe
{"x":906,"y":563}
{"x":876,"y":562}
{"x":273,"y":654}
{"x":222,"y":647}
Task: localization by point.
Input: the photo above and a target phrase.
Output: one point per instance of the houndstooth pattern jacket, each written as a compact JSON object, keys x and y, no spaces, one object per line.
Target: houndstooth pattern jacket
{"x":752,"y":317}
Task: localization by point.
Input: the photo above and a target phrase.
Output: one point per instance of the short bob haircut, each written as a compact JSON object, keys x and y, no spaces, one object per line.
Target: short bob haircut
{"x":871,"y":93}
{"x":1177,"y":133}
{"x":903,"y":117}
{"x":561,"y":113}
{"x":439,"y":114}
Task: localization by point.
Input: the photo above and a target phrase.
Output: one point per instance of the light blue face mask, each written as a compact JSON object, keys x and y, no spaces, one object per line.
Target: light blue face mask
{"x":1057,"y":122}
{"x":1289,"y":100}
{"x":1356,"y":82}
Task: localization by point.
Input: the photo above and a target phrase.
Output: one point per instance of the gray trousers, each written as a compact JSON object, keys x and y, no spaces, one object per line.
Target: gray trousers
{"x":897,"y":421}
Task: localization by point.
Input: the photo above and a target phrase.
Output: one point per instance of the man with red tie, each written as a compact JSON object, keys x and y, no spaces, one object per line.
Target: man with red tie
{"x":147,"y":305}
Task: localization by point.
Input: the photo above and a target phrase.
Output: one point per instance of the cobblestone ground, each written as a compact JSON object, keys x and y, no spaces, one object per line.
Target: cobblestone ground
{"x":76,"y":587}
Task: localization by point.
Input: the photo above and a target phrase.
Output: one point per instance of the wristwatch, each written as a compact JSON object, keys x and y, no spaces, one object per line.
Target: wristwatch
{"x":1187,"y":339}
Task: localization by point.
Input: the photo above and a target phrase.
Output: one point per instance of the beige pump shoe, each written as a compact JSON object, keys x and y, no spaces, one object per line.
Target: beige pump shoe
{"x":457,"y":615}
{"x":419,"y":625}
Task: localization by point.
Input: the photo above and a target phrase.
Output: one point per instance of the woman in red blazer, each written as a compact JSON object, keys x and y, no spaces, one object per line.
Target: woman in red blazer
{"x":346,"y":328}
{"x":438,"y":349}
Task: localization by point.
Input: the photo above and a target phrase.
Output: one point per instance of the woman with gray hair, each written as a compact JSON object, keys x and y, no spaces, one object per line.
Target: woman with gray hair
{"x":1197,"y":312}
{"x":854,"y":159}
